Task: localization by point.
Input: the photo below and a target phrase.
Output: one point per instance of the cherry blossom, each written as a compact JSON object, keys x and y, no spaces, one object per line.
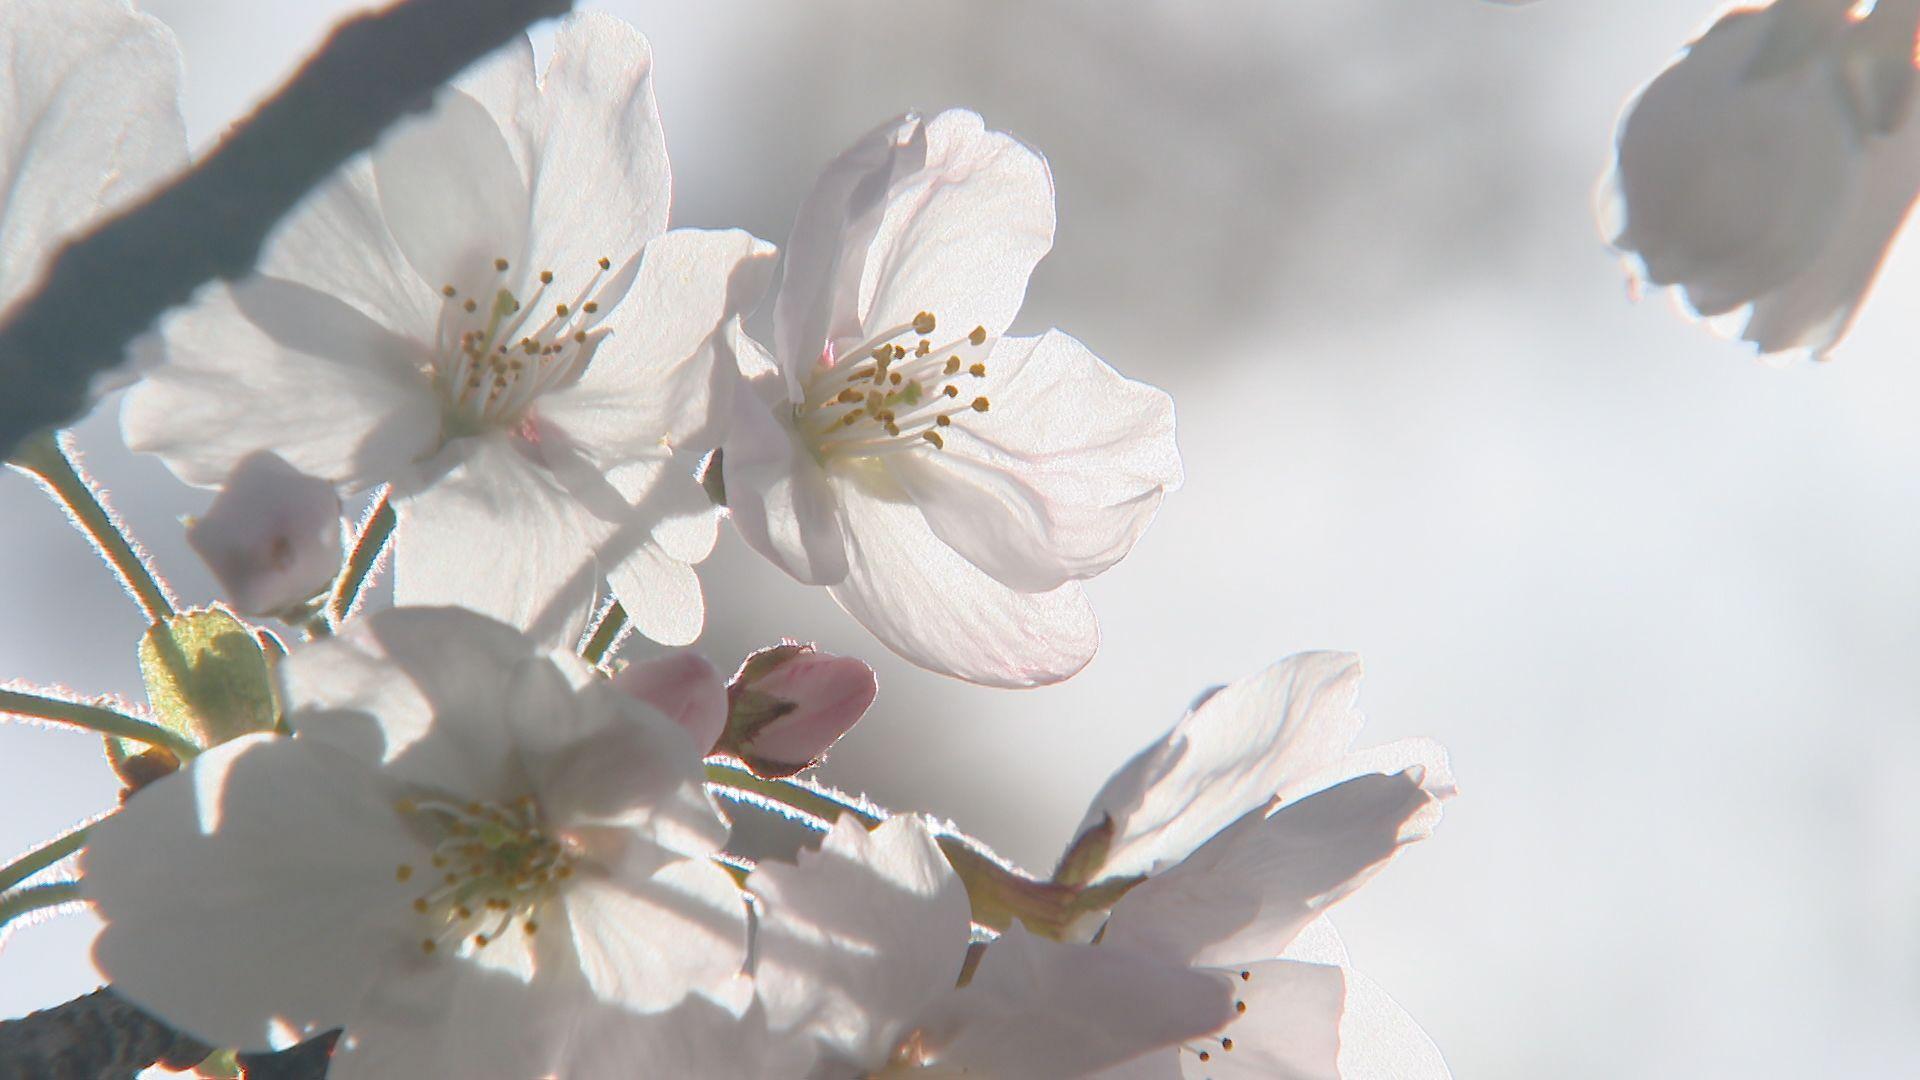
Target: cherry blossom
{"x":790,"y":703}
{"x":1768,"y":169}
{"x":486,"y":314}
{"x":469,"y":852}
{"x":863,"y":943}
{"x":272,"y":537}
{"x":951,"y":486}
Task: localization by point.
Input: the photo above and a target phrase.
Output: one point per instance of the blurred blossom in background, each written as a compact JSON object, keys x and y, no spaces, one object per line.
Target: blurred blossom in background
{"x":1661,"y":601}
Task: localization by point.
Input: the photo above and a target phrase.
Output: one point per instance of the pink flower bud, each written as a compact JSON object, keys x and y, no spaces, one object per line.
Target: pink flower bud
{"x":790,"y":703}
{"x":272,"y":537}
{"x":685,"y":688}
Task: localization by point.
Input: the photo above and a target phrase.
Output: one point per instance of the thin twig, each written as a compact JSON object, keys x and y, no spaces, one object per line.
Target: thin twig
{"x":606,"y":633}
{"x":41,"y":857}
{"x":96,"y":718}
{"x":375,"y":531}
{"x":110,"y":285}
{"x":49,"y":458}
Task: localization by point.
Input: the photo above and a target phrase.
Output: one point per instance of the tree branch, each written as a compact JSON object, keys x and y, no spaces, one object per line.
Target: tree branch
{"x":103,"y":1035}
{"x":108,"y":286}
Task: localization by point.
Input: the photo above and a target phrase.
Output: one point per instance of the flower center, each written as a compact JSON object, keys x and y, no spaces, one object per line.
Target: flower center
{"x":495,"y":352}
{"x":894,"y":393}
{"x":492,"y":865}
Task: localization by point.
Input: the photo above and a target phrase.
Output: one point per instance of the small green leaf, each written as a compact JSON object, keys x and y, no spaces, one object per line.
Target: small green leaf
{"x":207,"y":677}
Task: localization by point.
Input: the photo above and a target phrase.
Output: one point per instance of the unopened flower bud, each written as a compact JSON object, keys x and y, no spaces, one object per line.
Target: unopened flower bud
{"x":685,"y":688}
{"x":272,"y":537}
{"x":790,"y":703}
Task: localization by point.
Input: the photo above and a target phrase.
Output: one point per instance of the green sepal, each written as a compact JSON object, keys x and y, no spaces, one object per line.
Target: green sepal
{"x":207,"y":677}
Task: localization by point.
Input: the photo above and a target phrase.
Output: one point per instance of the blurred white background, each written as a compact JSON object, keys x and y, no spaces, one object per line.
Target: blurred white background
{"x":1662,"y":601}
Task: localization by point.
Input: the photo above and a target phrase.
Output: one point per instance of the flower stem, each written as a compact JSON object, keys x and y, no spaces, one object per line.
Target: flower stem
{"x":95,"y":718}
{"x":375,"y":531}
{"x":613,"y":623}
{"x":816,"y":800}
{"x":49,"y":457}
{"x":33,"y":898}
{"x":42,"y":857}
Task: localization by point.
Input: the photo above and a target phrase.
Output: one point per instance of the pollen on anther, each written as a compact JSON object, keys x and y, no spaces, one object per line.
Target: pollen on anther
{"x":1205,"y":1057}
{"x":943,"y":420}
{"x":402,"y":872}
{"x":546,"y":277}
{"x":953,"y":365}
{"x":470,"y":305}
{"x":590,"y":306}
{"x":934,"y":438}
{"x":532,"y":927}
{"x":899,"y":352}
{"x":481,"y":940}
{"x":1239,"y":1006}
{"x":500,"y":265}
{"x":980,"y":404}
{"x":893,"y":377}
{"x":1246,"y":976}
{"x":1226,"y":1044}
{"x":427,"y":945}
{"x":979,"y":335}
{"x":606,"y":263}
{"x":978,"y":370}
{"x":923,"y":348}
{"x":420,"y":904}
{"x":923,"y":323}
{"x":951,"y":391}
{"x":561,"y":310}
{"x":580,"y":337}
{"x":448,"y":290}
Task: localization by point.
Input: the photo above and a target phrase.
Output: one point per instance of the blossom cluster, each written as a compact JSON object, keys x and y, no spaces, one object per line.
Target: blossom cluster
{"x":467,"y":833}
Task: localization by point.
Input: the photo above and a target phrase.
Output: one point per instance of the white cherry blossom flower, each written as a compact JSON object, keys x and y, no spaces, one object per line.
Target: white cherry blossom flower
{"x":1767,"y":171}
{"x":861,"y":945}
{"x":468,"y":852}
{"x":486,"y":314}
{"x":1248,"y":820}
{"x":272,"y":538}
{"x":950,"y":486}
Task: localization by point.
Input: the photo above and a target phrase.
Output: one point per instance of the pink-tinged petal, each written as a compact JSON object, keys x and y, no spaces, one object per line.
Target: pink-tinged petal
{"x":601,"y":181}
{"x":1731,"y":182}
{"x":1059,"y":478}
{"x":654,"y":382}
{"x":337,"y":242}
{"x":1250,"y":889}
{"x":860,"y":937}
{"x":960,"y":236}
{"x":819,"y":299}
{"x":275,"y":365}
{"x":777,"y":494}
{"x":425,"y":693}
{"x":90,"y":93}
{"x":273,"y":537}
{"x":1379,"y":1041}
{"x":790,"y":703}
{"x":933,"y":607}
{"x":276,"y":849}
{"x":645,"y":944}
{"x":454,"y":197}
{"x":1231,"y":754}
{"x":685,"y":688}
{"x":485,"y":526}
{"x":1038,"y":1008}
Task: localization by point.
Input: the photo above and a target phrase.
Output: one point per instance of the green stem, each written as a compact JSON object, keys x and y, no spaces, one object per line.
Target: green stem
{"x":367,"y":548}
{"x":815,"y":799}
{"x":49,"y":457}
{"x":32,"y":899}
{"x":42,"y":857}
{"x":94,"y":718}
{"x":613,"y":623}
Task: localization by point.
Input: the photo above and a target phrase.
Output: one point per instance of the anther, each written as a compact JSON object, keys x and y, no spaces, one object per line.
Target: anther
{"x":953,"y":365}
{"x":606,"y":263}
{"x":943,"y":420}
{"x":420,"y":904}
{"x":470,"y":306}
{"x":448,"y":290}
{"x":1205,"y":1057}
{"x":1226,"y":1044}
{"x":978,"y":370}
{"x":923,"y":348}
{"x":532,"y":927}
{"x":590,"y":306}
{"x":934,"y":438}
{"x":1239,"y":1006}
{"x":1246,"y":976}
{"x":500,"y":265}
{"x":546,"y":277}
{"x":980,"y":404}
{"x":951,"y":391}
{"x":427,"y":945}
{"x":923,"y":323}
{"x":882,"y":353}
{"x":561,"y":310}
{"x":403,"y":872}
{"x":979,"y":335}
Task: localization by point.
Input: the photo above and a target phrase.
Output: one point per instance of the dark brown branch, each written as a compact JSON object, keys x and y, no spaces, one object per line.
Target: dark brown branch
{"x":111,"y":284}
{"x":102,"y":1036}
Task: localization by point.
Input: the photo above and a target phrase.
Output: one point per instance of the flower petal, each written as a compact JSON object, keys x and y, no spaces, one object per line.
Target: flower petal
{"x":960,"y":235}
{"x":827,"y":251}
{"x":1231,"y":754}
{"x":453,"y":196}
{"x":1249,"y":890}
{"x":381,"y":689}
{"x":1290,"y":1029}
{"x":1060,"y":478}
{"x":485,"y":527}
{"x":1038,"y":1008}
{"x":697,"y":1038}
{"x":337,"y":242}
{"x":274,"y":365}
{"x":273,"y":537}
{"x":266,"y":856}
{"x":1379,"y":1041}
{"x":645,"y":944}
{"x":90,"y":90}
{"x":661,"y":595}
{"x":925,"y":602}
{"x":651,"y":384}
{"x":860,"y":937}
{"x":685,"y":688}
{"x":601,"y":182}
{"x":433,"y":1017}
{"x":777,"y":494}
